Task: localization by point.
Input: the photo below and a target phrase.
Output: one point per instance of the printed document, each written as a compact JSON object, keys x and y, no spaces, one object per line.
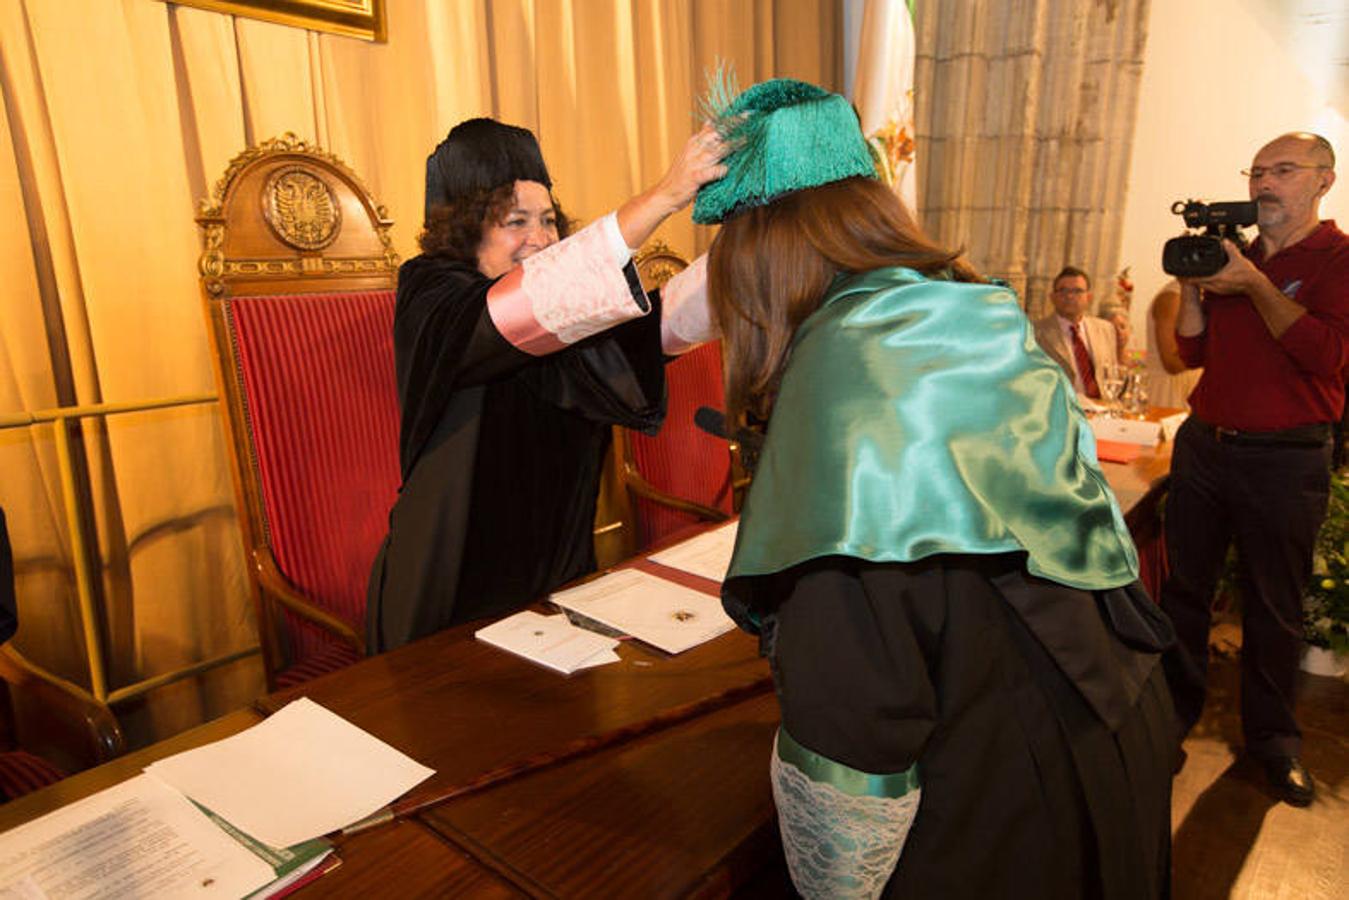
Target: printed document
{"x":708,"y":554}
{"x":139,"y":839}
{"x":653,"y":610}
{"x":550,"y":641}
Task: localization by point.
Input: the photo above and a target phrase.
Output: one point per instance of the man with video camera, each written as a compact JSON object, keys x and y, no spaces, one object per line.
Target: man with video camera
{"x":1251,"y":466}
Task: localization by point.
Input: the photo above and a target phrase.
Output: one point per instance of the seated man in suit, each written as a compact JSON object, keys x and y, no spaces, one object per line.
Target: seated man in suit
{"x":1083,"y":345}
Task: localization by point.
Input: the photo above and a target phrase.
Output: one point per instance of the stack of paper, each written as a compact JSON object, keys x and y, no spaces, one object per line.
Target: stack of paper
{"x":550,"y":641}
{"x":211,"y":822}
{"x":653,"y":610}
{"x":138,"y":839}
{"x":708,"y":554}
{"x":301,"y":773}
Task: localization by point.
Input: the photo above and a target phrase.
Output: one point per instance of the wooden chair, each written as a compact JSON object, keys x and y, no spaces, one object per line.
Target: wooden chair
{"x":49,"y":728}
{"x":297,"y":273}
{"x":682,"y":475}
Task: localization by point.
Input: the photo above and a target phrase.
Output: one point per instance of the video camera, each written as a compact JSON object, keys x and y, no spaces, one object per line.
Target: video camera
{"x":1202,"y":255}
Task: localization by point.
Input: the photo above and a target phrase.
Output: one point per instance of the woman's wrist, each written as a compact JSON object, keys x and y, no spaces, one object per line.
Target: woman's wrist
{"x":639,"y":217}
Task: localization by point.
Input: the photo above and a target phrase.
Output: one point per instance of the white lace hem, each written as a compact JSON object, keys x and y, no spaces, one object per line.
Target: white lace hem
{"x":838,"y":845}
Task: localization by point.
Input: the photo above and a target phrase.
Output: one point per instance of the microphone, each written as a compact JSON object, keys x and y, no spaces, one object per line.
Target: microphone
{"x":713,"y":421}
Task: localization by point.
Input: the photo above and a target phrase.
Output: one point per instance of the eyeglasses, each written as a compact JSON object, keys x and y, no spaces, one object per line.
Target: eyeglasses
{"x":1070,"y":290}
{"x":1278,"y":170}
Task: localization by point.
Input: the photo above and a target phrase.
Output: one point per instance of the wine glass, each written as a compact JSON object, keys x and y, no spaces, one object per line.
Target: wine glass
{"x":1113,"y":378}
{"x":1136,"y":396}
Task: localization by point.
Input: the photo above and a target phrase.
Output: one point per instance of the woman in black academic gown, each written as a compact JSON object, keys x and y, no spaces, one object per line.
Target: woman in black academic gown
{"x":516,"y":352}
{"x":967,"y":669}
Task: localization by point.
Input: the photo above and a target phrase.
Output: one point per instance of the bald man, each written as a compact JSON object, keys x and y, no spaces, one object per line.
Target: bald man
{"x":1251,"y":465}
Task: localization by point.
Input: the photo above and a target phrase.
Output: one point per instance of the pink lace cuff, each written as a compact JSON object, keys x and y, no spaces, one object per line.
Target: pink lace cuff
{"x":686,"y":320}
{"x":562,"y":294}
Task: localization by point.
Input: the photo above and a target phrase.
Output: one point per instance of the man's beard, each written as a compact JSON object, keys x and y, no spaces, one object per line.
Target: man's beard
{"x":1270,"y":213}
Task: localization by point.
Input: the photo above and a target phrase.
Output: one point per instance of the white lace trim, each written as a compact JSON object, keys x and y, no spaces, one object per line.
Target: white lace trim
{"x":838,"y":845}
{"x":686,"y":320}
{"x":574,"y":288}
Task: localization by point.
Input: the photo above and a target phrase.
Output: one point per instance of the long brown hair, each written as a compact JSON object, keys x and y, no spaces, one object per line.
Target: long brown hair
{"x":769,"y":269}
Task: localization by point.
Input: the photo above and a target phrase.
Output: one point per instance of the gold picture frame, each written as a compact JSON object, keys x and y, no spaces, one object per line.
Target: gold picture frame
{"x":363,"y":19}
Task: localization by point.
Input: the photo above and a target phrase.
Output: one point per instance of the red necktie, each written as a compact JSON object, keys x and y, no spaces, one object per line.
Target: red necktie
{"x":1084,"y":369}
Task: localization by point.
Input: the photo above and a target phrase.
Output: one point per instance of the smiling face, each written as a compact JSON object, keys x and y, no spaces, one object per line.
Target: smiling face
{"x":529,"y":225}
{"x":1071,"y":297}
{"x":1289,"y":201}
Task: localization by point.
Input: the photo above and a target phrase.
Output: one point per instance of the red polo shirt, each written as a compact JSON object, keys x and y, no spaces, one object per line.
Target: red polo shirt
{"x":1251,"y":381}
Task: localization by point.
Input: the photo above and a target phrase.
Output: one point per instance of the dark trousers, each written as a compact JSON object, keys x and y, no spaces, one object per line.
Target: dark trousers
{"x":1270,"y":501}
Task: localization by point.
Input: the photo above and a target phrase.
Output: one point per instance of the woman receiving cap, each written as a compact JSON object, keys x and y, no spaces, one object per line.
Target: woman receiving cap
{"x":516,"y":351}
{"x":966,"y":666}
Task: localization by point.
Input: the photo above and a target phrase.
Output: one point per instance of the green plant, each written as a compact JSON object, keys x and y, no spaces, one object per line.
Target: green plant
{"x":1326,"y":609}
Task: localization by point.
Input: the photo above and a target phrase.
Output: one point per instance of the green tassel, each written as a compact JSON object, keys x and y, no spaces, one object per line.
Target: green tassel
{"x":785,"y":135}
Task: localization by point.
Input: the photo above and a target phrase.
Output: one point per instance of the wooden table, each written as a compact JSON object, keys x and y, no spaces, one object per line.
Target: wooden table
{"x":648,"y":777}
{"x":1140,"y":485}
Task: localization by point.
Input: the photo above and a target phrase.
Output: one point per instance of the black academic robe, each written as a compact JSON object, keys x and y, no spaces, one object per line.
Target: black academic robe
{"x":9,"y":607}
{"x":501,"y":453}
{"x":1037,"y":714}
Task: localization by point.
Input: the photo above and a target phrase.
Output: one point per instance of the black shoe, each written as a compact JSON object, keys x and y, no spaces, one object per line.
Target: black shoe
{"x":1290,"y":780}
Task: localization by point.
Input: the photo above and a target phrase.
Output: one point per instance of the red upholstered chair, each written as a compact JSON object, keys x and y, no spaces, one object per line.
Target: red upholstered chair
{"x":683,"y":475}
{"x":298,"y":275}
{"x":48,"y":726}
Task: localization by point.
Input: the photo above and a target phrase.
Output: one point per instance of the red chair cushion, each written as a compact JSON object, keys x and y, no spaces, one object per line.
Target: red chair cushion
{"x":22,"y":773}
{"x":322,"y":404}
{"x":682,"y":459}
{"x":334,"y":657}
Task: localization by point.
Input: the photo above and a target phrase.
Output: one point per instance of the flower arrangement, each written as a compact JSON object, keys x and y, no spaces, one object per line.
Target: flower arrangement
{"x":1326,"y":609}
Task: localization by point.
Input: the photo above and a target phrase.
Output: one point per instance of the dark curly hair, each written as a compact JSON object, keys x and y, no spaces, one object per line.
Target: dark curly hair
{"x":454,"y":230}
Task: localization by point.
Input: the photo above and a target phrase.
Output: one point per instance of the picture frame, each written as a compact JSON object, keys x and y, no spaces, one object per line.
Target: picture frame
{"x":364,"y":19}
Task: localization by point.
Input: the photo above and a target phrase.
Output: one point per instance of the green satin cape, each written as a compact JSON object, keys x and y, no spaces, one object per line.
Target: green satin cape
{"x":918,"y":417}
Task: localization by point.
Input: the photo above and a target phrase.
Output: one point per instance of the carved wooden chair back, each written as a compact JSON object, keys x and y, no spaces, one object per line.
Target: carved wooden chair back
{"x":297,"y":273}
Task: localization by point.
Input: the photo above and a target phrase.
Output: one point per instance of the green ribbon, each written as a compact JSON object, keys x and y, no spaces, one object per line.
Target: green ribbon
{"x":854,"y":782}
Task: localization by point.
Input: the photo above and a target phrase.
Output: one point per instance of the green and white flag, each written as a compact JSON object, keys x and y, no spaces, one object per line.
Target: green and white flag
{"x":883,"y":92}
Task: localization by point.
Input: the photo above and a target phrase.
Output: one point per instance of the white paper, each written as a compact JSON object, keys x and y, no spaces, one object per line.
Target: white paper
{"x":137,"y":839}
{"x":1127,"y":431}
{"x":299,"y":774}
{"x":550,"y":641}
{"x":653,"y":610}
{"x":1171,"y":424}
{"x":708,"y":554}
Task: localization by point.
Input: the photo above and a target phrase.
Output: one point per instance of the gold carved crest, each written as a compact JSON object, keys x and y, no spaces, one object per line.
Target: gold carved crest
{"x":301,"y":208}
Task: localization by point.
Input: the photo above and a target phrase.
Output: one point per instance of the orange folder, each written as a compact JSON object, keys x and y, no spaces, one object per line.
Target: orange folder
{"x":1117,"y":451}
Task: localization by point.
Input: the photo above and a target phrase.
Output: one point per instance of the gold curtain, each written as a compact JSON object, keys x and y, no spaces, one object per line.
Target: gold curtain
{"x":118,"y":117}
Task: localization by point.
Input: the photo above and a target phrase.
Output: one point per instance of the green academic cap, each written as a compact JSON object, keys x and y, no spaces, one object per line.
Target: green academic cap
{"x":788,"y":135}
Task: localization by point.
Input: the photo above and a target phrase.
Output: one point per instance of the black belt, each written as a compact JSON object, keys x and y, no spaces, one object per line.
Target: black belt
{"x":1301,"y":436}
